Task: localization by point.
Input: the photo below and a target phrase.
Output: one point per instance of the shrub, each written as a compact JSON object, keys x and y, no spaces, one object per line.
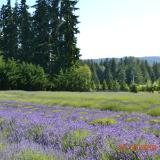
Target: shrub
{"x":134,"y":88}
{"x":24,"y":76}
{"x":115,"y":86}
{"x":124,"y":87}
{"x":74,"y":138}
{"x":75,"y":79}
{"x":103,"y":121}
{"x":32,"y":77}
{"x":35,"y":133}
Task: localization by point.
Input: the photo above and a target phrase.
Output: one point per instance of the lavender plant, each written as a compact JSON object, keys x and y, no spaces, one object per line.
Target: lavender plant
{"x":29,"y":132}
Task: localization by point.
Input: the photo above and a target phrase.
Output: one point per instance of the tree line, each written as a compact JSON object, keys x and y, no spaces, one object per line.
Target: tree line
{"x":125,"y":74}
{"x":39,"y":52}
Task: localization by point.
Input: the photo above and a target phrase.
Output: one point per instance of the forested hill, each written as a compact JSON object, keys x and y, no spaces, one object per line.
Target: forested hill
{"x":150,"y":59}
{"x":120,"y":73}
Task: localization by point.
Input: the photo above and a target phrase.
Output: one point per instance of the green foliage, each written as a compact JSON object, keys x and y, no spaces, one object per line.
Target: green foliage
{"x":8,"y":29}
{"x":33,"y":155}
{"x":46,"y":38}
{"x":115,"y":101}
{"x":41,"y":34}
{"x":34,"y":133}
{"x":134,"y":88}
{"x":75,"y":138}
{"x":14,"y":75}
{"x":25,"y":33}
{"x":122,"y":73}
{"x":56,"y":111}
{"x":75,"y":79}
{"x":132,"y":120}
{"x":115,"y":86}
{"x":155,"y":121}
{"x":32,"y":77}
{"x":104,"y":85}
{"x":2,"y":146}
{"x":103,"y":121}
{"x":154,"y":112}
{"x":98,"y":85}
{"x":124,"y":87}
{"x":9,"y":74}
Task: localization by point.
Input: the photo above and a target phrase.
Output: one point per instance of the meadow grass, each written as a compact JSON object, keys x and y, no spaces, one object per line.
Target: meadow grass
{"x":116,"y":101}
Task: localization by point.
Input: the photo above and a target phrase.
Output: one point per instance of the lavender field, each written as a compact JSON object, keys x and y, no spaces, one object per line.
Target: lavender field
{"x":30,"y":131}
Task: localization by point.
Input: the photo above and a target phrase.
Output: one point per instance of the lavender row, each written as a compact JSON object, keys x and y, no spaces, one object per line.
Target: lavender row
{"x":75,"y":133}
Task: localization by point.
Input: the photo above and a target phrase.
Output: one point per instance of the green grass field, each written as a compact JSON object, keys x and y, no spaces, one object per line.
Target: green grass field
{"x":116,"y":101}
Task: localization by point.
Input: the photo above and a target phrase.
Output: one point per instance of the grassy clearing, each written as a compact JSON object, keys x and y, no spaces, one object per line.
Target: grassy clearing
{"x":115,"y":101}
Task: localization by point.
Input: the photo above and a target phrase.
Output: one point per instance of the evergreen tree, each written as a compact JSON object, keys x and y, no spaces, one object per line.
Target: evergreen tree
{"x":41,"y":34}
{"x":121,"y":74}
{"x":104,"y":85}
{"x":113,"y":67}
{"x":68,"y":51}
{"x":156,"y":71}
{"x":139,"y":79}
{"x":8,"y":29}
{"x":15,"y":31}
{"x":25,"y":35}
{"x":55,"y":24}
{"x":144,"y":71}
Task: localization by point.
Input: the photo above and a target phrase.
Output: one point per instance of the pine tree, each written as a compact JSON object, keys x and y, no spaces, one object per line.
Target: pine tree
{"x":8,"y":31}
{"x":156,"y":71}
{"x":104,"y":85}
{"x":15,"y":31}
{"x":25,"y":34}
{"x":121,"y":74}
{"x":113,"y":67}
{"x":144,"y":72}
{"x":41,"y":34}
{"x":54,"y":39}
{"x":68,"y":51}
{"x":108,"y":74}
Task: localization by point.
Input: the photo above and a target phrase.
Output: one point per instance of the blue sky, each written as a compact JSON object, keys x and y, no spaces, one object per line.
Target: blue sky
{"x":116,"y":28}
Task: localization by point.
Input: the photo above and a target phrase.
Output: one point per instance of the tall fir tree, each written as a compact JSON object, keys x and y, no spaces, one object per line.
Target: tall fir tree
{"x":156,"y":71}
{"x":113,"y":66}
{"x":55,"y":24}
{"x":25,"y":33}
{"x":68,"y":51}
{"x":41,"y":34}
{"x":8,"y":28}
{"x":16,"y":31}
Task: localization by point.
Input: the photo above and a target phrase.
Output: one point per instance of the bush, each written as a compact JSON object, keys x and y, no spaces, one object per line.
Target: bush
{"x":32,"y":77}
{"x":124,"y":87}
{"x":150,"y":88}
{"x":134,"y":88}
{"x":24,"y":76}
{"x":75,"y":138}
{"x":115,"y":86}
{"x":9,"y":74}
{"x":75,"y":79}
{"x":103,"y":121}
